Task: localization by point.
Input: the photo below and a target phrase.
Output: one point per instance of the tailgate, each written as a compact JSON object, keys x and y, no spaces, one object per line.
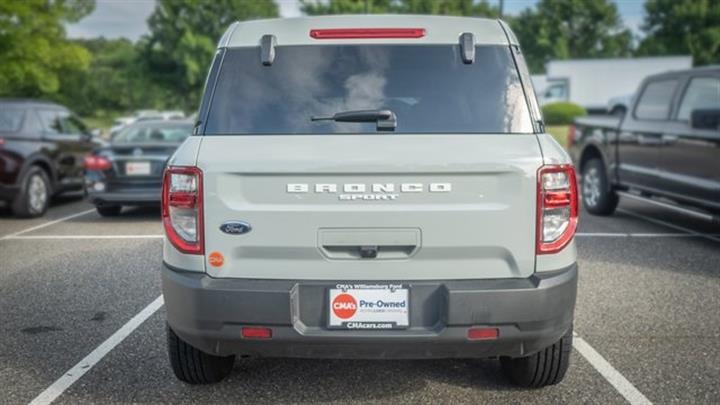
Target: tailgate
{"x":358,"y":207}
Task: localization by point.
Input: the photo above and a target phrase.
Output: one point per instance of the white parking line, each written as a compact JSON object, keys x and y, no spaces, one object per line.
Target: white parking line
{"x":617,"y":380}
{"x":669,"y":225}
{"x":82,"y":367}
{"x":46,"y":224}
{"x":40,"y":237}
{"x":643,"y":235}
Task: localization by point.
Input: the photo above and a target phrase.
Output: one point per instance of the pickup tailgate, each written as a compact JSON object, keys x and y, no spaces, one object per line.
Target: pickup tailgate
{"x":379,"y":207}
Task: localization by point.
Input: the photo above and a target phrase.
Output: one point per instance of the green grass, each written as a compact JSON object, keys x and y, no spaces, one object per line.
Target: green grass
{"x":559,"y":132}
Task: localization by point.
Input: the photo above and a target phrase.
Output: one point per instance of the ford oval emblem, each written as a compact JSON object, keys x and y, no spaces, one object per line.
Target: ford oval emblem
{"x":235,"y":227}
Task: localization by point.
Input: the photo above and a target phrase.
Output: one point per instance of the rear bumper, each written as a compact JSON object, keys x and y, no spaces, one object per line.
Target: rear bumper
{"x":129,"y":197}
{"x":530,"y":314}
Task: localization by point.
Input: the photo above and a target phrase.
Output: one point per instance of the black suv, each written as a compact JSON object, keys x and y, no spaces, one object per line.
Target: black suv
{"x":42,"y":147}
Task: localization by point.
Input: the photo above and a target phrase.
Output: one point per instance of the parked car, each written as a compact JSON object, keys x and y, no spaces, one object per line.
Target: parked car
{"x":129,"y":170}
{"x":333,"y":204}
{"x":42,"y":145}
{"x":667,"y":146}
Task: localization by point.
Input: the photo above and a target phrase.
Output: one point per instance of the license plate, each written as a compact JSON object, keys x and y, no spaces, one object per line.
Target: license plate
{"x":374,"y":307}
{"x":137,"y":168}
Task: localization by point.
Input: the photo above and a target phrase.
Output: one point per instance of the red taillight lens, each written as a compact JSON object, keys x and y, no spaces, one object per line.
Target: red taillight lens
{"x":250,"y":332}
{"x":353,"y":33}
{"x":96,"y":162}
{"x":483,"y":333}
{"x":182,"y":208}
{"x":557,"y":208}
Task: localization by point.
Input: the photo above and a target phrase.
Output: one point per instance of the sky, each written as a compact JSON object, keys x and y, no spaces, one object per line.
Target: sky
{"x":127,"y":18}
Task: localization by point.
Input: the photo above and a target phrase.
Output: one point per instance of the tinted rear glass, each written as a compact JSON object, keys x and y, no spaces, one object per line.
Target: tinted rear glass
{"x":11,"y":118}
{"x":428,"y":87}
{"x":172,"y":133}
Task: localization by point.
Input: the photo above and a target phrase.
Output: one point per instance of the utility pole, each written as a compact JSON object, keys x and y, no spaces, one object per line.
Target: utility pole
{"x":366,"y":6}
{"x":502,"y":4}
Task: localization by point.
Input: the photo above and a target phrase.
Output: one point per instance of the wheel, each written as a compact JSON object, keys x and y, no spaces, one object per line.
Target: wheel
{"x":108,"y":210}
{"x":194,"y":366}
{"x":546,"y":367}
{"x":597,"y":195}
{"x":34,"y":196}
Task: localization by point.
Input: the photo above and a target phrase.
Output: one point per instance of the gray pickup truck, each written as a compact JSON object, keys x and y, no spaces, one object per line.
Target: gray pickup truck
{"x":665,"y":150}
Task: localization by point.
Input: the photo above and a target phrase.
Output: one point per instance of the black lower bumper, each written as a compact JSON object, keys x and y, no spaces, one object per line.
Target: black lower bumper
{"x":530,"y":315}
{"x":129,"y":197}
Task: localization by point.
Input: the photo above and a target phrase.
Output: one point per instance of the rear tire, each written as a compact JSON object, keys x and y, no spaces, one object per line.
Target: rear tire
{"x":34,"y":197}
{"x":598,"y":196}
{"x":194,"y":366}
{"x":546,"y":367}
{"x":108,"y":210}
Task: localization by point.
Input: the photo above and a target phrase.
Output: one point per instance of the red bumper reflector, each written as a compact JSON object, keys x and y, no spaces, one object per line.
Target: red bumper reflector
{"x":483,"y":333}
{"x":352,"y":33}
{"x":256,"y":333}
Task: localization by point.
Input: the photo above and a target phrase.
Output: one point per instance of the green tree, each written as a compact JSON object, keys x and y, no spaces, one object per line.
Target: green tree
{"x":563,"y":29}
{"x":183,"y":37}
{"x":34,"y":53}
{"x":115,"y":81}
{"x":444,"y":7}
{"x":676,"y":27}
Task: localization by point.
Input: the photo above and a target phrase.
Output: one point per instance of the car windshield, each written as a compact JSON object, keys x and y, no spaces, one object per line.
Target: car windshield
{"x":171,"y":133}
{"x":428,"y":88}
{"x":10,"y":118}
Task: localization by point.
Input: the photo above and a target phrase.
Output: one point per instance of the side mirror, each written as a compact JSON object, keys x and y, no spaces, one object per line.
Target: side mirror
{"x":705,"y":119}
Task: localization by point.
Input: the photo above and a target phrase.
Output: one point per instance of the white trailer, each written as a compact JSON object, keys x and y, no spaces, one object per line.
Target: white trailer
{"x":591,"y":83}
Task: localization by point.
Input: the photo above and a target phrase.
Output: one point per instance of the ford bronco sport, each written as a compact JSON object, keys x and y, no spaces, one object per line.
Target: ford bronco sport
{"x":370,"y":187}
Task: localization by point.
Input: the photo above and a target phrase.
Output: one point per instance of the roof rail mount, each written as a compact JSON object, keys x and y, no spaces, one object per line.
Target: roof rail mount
{"x":267,"y":49}
{"x":467,"y":47}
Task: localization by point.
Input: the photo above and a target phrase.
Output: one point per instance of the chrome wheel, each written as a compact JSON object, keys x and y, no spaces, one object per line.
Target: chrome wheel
{"x":591,"y":187}
{"x":37,"y":193}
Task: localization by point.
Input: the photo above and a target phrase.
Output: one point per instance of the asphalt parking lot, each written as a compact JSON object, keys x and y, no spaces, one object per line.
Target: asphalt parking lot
{"x":82,"y":321}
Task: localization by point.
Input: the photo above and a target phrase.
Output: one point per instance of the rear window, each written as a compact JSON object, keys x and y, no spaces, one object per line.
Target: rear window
{"x":11,"y":118}
{"x":428,"y":87}
{"x":153,"y":134}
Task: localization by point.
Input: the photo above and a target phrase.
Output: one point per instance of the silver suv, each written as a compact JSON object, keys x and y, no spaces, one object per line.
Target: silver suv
{"x":370,"y":187}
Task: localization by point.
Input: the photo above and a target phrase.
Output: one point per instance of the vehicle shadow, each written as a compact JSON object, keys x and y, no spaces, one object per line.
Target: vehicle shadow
{"x":128,"y":215}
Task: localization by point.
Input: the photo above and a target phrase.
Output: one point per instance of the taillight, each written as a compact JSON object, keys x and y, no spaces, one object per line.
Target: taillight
{"x":353,"y":33}
{"x":182,"y":208}
{"x":97,"y":162}
{"x":557,"y":210}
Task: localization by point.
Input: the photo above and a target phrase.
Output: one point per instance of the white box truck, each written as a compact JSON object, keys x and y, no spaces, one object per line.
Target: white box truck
{"x":591,"y":83}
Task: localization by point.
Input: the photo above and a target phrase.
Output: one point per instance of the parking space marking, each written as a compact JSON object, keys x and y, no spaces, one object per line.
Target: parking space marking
{"x":669,"y":225}
{"x":644,"y":235}
{"x":71,"y":376}
{"x":46,"y":224}
{"x":617,"y":380}
{"x":40,"y":237}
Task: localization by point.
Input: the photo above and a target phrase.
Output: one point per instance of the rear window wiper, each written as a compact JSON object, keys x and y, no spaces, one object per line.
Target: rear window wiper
{"x":386,"y":120}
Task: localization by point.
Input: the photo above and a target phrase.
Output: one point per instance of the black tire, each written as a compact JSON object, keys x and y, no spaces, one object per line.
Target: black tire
{"x":546,"y":367}
{"x":108,"y":210}
{"x":34,"y":197}
{"x":194,"y":366}
{"x":598,"y":196}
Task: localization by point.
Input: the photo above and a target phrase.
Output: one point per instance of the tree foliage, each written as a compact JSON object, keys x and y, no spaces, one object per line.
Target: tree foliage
{"x":115,"y":81}
{"x":183,"y":38}
{"x":443,"y":7}
{"x":563,"y":29}
{"x":680,"y":27}
{"x":34,"y":52}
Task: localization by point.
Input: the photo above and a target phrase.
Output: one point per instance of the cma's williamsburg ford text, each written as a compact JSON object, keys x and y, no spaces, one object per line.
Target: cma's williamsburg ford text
{"x":370,"y":187}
